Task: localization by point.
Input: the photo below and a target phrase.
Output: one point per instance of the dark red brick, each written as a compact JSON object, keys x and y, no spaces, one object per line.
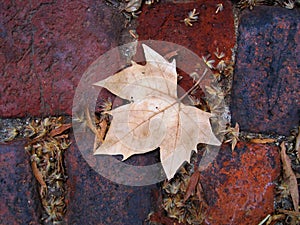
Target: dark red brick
{"x":239,"y":185}
{"x":265,"y":96}
{"x":46,"y":47}
{"x":19,"y":197}
{"x":163,"y":21}
{"x":93,"y":199}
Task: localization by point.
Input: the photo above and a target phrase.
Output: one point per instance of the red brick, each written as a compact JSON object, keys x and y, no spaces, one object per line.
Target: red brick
{"x":266,"y":92}
{"x":19,"y":197}
{"x":163,"y":21}
{"x":93,"y":199}
{"x":46,"y":48}
{"x":239,"y":185}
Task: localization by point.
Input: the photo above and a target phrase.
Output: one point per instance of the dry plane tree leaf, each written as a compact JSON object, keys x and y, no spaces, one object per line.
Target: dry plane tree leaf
{"x":290,"y":177}
{"x":156,"y":117}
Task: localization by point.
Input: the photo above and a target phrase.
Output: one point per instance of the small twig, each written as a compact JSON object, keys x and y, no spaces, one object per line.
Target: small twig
{"x":194,"y":86}
{"x":264,"y":220}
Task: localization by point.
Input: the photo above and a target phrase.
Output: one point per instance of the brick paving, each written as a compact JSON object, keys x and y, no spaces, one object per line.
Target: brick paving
{"x":265,"y":93}
{"x":239,"y":185}
{"x":46,"y":48}
{"x":20,"y":199}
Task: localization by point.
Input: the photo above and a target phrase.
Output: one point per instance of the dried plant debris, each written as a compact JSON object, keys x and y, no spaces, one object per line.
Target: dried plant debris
{"x":232,"y":135}
{"x":251,"y":3}
{"x":192,"y":17}
{"x":222,"y":68}
{"x":287,"y":189}
{"x":289,"y":177}
{"x":47,"y":141}
{"x":101,"y":125}
{"x":183,"y":200}
{"x":130,"y":8}
{"x":288,"y":4}
{"x":11,"y":129}
{"x":220,"y":8}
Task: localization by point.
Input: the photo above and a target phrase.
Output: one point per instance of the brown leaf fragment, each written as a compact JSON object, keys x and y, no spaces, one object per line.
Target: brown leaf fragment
{"x":60,"y":129}
{"x":39,"y":177}
{"x":297,"y":145}
{"x":200,"y":195}
{"x":289,"y":176}
{"x":262,"y":140}
{"x":103,"y":127}
{"x":192,"y":185}
{"x":288,"y":212}
{"x":101,"y":131}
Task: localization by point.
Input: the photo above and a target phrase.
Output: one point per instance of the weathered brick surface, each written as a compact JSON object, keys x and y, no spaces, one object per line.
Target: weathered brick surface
{"x":239,"y":185}
{"x":164,"y":21}
{"x":19,"y":197}
{"x":265,"y":92}
{"x":93,"y":199}
{"x":46,"y":47}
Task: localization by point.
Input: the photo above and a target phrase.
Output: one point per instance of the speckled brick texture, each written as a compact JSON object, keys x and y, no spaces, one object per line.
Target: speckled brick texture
{"x":19,"y":197}
{"x":239,"y":185}
{"x":93,"y":199}
{"x":164,"y":21}
{"x":265,"y":92}
{"x":46,"y":47}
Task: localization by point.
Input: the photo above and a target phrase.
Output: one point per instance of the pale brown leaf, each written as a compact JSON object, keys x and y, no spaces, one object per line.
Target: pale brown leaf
{"x":289,"y":176}
{"x":156,"y":117}
{"x":191,"y":188}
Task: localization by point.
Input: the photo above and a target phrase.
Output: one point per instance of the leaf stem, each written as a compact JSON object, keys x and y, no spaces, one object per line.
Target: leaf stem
{"x":194,"y":86}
